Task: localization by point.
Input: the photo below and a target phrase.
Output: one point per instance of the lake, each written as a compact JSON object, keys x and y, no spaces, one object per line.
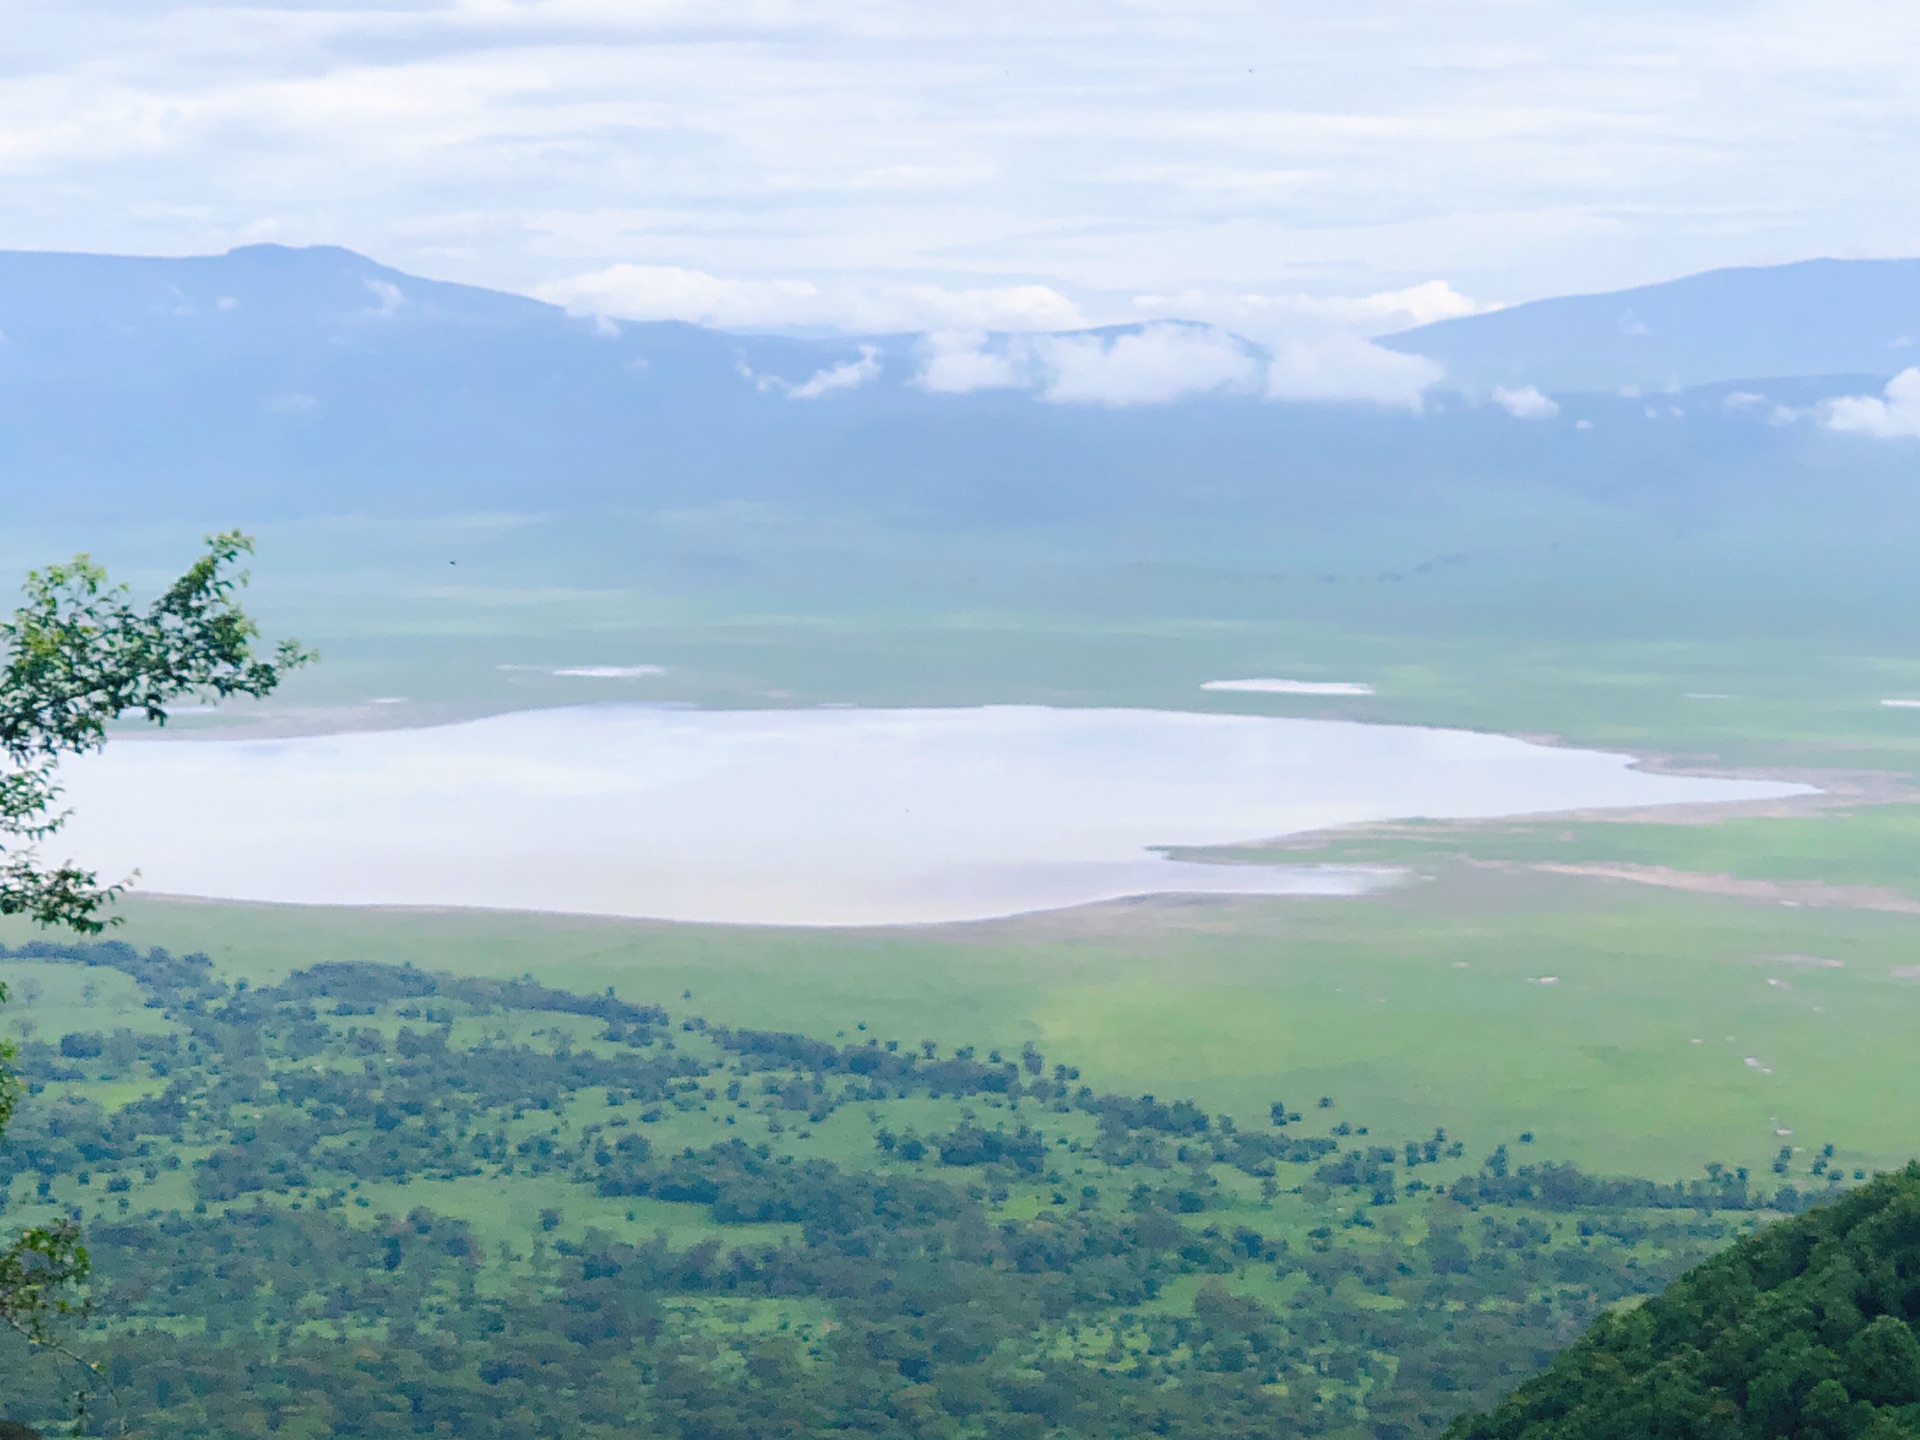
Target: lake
{"x":816,"y":817}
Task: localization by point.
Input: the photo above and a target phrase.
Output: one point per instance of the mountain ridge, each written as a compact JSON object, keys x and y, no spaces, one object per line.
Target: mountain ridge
{"x":330,"y":385}
{"x":1809,"y":317}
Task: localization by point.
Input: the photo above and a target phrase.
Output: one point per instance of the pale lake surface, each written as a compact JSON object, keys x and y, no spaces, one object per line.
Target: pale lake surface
{"x":818,"y":817}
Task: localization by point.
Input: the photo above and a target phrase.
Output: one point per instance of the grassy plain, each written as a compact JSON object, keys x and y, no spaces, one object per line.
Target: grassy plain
{"x":1615,"y":1022}
{"x":1798,"y":705}
{"x":1868,"y":845}
{"x":1630,"y":1028}
{"x":1429,"y":1005}
{"x":456,"y":1166}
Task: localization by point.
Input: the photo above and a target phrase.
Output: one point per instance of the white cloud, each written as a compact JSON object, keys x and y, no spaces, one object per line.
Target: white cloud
{"x":1168,"y":361}
{"x":671,"y":292}
{"x":1151,"y":365}
{"x":1143,"y":367}
{"x":957,"y":363}
{"x":1746,"y":402}
{"x":1289,"y":346}
{"x":1350,"y":368}
{"x":1421,"y":304}
{"x":1526,"y":403}
{"x":387,"y":297}
{"x":1280,"y":317}
{"x":848,"y":375}
{"x":1893,"y":415}
{"x":668,"y":292}
{"x":1103,"y":146}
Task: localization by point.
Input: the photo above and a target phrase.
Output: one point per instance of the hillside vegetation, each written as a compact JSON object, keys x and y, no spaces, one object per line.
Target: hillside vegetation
{"x":1806,"y":1329}
{"x":404,"y":1203}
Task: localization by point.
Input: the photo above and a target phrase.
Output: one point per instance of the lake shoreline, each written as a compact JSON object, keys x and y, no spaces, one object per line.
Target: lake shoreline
{"x":819,"y":817}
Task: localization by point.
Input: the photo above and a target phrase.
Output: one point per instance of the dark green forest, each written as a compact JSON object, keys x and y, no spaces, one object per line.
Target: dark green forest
{"x":378,"y":1201}
{"x":1804,"y":1330}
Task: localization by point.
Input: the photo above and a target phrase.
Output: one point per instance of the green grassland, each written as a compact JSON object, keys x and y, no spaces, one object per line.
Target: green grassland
{"x":459,"y":617}
{"x":421,"y":1202}
{"x":1426,"y":1005}
{"x":1857,"y":845}
{"x":1423,"y":999}
{"x":1626,"y":1028}
{"x":55,"y":999}
{"x":1796,"y":704}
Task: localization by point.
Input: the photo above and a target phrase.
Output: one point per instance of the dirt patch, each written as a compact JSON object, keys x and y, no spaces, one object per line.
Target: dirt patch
{"x":1811,"y":893}
{"x":1834,"y":790}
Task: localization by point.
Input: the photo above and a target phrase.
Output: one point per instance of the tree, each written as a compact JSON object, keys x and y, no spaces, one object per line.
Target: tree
{"x":79,"y":655}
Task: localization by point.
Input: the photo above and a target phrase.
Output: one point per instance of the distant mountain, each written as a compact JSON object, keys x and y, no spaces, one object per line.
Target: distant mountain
{"x":1806,"y":1329}
{"x":301,"y":381}
{"x":274,"y":384}
{"x":1817,"y":317}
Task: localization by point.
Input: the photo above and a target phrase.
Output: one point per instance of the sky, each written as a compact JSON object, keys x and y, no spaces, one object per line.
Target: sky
{"x":1287,"y":170}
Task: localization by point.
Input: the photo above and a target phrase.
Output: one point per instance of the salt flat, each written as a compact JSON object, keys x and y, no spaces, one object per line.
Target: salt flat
{"x":830,"y":817}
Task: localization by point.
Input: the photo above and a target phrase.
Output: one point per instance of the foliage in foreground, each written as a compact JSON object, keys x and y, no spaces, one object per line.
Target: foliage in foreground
{"x":1804,"y":1330}
{"x":78,"y":655}
{"x":381,"y":1202}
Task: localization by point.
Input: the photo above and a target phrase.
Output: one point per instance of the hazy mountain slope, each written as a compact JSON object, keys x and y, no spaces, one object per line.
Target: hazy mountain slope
{"x":303,"y":381}
{"x":272,"y":384}
{"x":1806,"y":1329}
{"x":1817,"y":317}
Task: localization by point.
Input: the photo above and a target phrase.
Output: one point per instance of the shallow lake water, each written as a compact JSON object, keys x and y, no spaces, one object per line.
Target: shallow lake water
{"x":828,"y":817}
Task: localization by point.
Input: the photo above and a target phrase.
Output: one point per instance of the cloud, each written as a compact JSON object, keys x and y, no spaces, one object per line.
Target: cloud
{"x":1892,"y":415}
{"x":1746,"y":402}
{"x":1350,"y":368}
{"x":668,"y":292}
{"x":1295,"y":316}
{"x":1031,"y":337}
{"x":387,"y":297}
{"x":671,"y":292}
{"x":1526,"y":403}
{"x":849,"y":375}
{"x":960,"y":362}
{"x":1422,"y":304}
{"x":957,"y":319}
{"x":1150,"y":365}
{"x":1526,"y":147}
{"x":1287,"y":346}
{"x":1168,"y":361}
